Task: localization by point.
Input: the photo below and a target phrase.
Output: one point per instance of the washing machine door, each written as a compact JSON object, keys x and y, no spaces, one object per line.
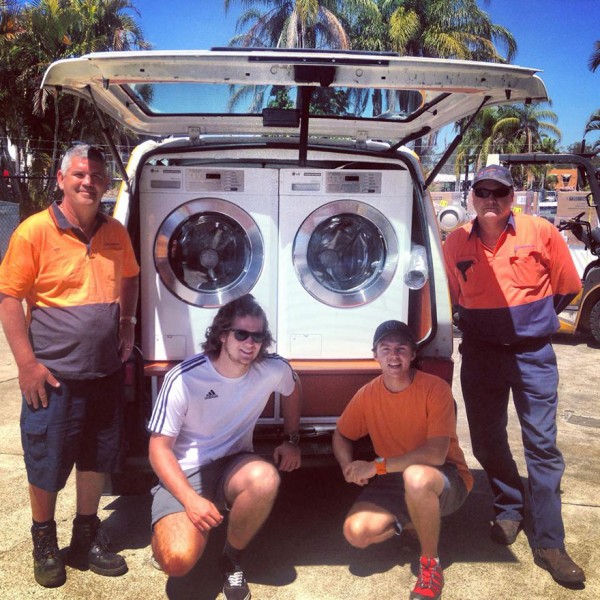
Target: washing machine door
{"x":208,"y":252}
{"x":345,"y":253}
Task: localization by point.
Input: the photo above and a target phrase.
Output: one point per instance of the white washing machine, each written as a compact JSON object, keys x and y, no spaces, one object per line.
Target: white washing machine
{"x":208,"y":236}
{"x":345,"y":241}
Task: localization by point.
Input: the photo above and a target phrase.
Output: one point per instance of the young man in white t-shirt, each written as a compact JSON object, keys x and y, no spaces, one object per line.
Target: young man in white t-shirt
{"x":201,"y":444}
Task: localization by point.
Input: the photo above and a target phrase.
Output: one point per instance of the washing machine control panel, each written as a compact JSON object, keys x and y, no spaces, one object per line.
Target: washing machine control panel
{"x":339,"y":182}
{"x":203,"y":180}
{"x":157,"y":178}
{"x":332,"y":182}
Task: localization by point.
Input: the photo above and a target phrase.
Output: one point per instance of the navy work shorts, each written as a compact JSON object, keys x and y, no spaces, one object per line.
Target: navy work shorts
{"x":82,"y":425}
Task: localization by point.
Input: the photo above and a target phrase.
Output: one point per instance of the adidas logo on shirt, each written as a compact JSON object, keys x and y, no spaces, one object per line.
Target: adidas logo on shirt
{"x":211,"y":395}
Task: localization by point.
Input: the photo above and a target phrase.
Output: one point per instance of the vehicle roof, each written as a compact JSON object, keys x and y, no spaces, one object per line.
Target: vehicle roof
{"x":361,"y":95}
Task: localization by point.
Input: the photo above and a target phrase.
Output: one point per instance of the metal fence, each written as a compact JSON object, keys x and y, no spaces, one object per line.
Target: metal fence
{"x":9,"y":219}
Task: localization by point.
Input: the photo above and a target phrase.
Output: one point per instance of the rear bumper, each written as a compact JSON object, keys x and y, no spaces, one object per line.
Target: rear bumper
{"x":137,"y":477}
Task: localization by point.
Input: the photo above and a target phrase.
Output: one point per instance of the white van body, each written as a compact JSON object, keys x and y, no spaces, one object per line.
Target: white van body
{"x":286,"y":174}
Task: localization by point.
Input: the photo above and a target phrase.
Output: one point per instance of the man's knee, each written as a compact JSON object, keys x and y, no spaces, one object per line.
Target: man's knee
{"x":262,"y":479}
{"x":420,"y":479}
{"x":176,"y":552}
{"x":175,"y":565}
{"x":361,"y":529}
{"x":355,"y":532}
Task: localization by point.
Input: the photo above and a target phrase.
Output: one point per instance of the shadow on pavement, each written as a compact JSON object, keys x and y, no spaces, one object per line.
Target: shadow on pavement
{"x":305,"y":528}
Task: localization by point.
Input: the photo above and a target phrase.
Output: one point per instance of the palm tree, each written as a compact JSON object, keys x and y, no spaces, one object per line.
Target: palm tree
{"x":51,"y":30}
{"x":293,"y":23}
{"x":475,"y":144}
{"x":593,"y":124}
{"x":9,"y":20}
{"x":523,"y":128}
{"x":456,"y":29}
{"x":290,"y":24}
{"x":435,"y":28}
{"x":106,"y":25}
{"x":594,"y":61}
{"x":510,"y":129}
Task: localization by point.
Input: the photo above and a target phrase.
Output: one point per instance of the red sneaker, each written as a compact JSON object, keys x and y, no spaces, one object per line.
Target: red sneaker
{"x":430,"y":581}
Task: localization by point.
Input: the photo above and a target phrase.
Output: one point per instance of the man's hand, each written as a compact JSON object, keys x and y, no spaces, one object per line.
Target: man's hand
{"x":203,"y":514}
{"x":359,"y":472}
{"x":287,"y":457}
{"x":126,"y":338}
{"x":32,"y":380}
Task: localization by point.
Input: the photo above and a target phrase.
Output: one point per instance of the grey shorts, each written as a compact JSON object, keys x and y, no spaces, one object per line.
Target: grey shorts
{"x":207,"y":480}
{"x":387,"y":491}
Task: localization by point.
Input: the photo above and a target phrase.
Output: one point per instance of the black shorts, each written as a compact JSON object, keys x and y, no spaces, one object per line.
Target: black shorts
{"x":387,"y":491}
{"x":82,"y":425}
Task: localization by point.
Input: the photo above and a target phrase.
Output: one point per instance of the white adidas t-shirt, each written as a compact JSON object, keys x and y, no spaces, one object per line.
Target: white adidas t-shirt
{"x":212,"y":416}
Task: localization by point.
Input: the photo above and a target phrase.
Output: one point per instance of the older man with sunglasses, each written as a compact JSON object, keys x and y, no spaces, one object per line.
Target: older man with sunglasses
{"x":510,"y":275}
{"x":201,"y":444}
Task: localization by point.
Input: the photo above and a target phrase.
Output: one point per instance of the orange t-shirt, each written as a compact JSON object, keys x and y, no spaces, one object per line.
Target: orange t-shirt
{"x":398,"y":422}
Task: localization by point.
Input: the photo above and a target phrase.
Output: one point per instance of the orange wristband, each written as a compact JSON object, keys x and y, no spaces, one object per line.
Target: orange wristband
{"x":380,"y":466}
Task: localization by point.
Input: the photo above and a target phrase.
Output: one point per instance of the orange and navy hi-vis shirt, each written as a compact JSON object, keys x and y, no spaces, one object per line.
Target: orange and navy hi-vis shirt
{"x":71,"y":286}
{"x":514,"y":291}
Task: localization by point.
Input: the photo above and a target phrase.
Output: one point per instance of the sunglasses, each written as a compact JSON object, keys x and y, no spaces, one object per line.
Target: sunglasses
{"x":241,"y":335}
{"x":485,"y":193}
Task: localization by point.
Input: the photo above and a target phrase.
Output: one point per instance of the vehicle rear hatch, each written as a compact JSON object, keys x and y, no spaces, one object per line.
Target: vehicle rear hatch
{"x":240,"y":91}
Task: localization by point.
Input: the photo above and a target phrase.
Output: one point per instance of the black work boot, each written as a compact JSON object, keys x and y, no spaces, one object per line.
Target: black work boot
{"x":48,"y":566}
{"x":89,"y":550}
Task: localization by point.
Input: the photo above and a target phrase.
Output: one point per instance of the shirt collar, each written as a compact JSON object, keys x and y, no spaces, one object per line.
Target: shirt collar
{"x":474,"y":225}
{"x":63,"y":223}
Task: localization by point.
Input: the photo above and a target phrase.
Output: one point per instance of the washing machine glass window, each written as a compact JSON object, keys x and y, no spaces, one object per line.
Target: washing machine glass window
{"x":345,"y":253}
{"x":208,"y":252}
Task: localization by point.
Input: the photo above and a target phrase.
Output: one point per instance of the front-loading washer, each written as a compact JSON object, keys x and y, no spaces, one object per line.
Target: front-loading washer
{"x":344,"y":243}
{"x":207,"y":236}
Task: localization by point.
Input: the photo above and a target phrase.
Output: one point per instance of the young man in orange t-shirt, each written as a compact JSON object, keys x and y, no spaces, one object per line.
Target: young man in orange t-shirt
{"x":420,"y":473}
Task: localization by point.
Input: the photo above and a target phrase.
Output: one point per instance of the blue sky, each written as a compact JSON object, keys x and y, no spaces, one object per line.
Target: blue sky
{"x":555,"y":36}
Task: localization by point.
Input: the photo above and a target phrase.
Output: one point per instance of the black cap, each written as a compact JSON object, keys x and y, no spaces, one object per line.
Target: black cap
{"x":394,"y":328}
{"x":494,"y":173}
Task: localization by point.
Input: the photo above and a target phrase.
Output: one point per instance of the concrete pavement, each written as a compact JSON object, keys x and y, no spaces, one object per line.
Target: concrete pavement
{"x":301,"y":554}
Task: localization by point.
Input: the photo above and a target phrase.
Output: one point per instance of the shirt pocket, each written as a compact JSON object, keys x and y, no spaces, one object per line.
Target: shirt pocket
{"x":108,"y":265}
{"x":468,"y":271}
{"x":528,"y":270}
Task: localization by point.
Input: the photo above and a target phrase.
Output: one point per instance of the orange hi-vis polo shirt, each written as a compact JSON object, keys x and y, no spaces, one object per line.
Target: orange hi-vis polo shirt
{"x":399,"y":422}
{"x":71,"y":286}
{"x":512,"y":292}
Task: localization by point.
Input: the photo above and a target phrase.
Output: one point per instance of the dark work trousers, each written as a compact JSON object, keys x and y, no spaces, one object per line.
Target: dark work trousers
{"x":488,"y":374}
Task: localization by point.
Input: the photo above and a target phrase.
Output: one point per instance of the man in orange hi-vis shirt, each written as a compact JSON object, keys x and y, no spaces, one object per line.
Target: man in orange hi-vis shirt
{"x":75,"y":269}
{"x":510,"y":275}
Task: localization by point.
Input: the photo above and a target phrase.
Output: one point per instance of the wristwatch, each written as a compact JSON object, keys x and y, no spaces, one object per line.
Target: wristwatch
{"x":293,"y":438}
{"x":131,"y":320}
{"x":380,"y":466}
